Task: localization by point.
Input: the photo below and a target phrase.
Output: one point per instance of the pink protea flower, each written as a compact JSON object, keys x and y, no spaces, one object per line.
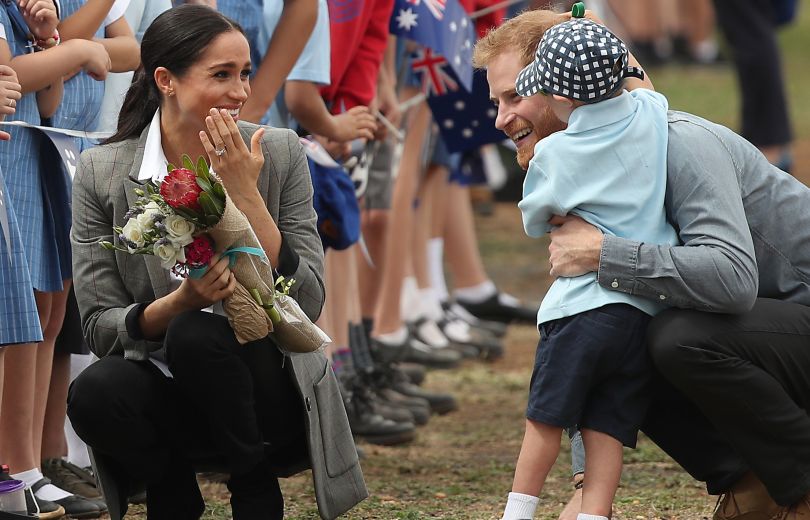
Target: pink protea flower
{"x":200,"y":251}
{"x":180,"y":190}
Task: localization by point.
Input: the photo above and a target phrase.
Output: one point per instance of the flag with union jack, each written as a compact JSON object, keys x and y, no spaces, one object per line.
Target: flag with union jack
{"x":441,"y":26}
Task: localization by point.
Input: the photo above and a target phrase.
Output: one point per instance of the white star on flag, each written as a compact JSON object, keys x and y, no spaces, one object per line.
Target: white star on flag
{"x":453,"y":26}
{"x":406,"y":19}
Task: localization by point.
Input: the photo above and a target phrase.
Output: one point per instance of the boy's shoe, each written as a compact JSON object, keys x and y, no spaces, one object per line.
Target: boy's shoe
{"x":73,"y":479}
{"x":748,"y":500}
{"x":501,"y":307}
{"x":73,"y":505}
{"x":42,"y":509}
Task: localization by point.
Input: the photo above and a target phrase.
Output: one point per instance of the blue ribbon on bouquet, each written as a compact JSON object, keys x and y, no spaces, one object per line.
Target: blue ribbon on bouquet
{"x":198,"y":272}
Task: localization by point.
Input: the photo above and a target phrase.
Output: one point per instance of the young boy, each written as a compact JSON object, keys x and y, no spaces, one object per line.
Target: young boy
{"x":608,"y":167}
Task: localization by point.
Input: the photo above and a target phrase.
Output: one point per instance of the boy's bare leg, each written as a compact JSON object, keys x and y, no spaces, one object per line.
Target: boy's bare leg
{"x":541,"y":445}
{"x":603,"y":456}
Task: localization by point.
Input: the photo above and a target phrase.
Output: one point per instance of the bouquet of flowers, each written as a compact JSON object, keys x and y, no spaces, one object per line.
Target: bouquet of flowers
{"x":184,"y":221}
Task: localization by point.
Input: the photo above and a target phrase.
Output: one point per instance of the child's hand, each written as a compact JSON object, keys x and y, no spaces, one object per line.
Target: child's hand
{"x":354,"y":123}
{"x":10,"y":94}
{"x":96,"y":58}
{"x":40,"y":15}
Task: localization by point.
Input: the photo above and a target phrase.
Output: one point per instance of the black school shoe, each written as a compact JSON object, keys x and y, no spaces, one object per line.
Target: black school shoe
{"x":42,"y":509}
{"x":74,"y":506}
{"x":500,"y":309}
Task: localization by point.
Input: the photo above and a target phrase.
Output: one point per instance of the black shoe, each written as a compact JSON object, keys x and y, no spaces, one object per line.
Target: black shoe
{"x":428,"y":332}
{"x":42,"y":509}
{"x":417,"y":407}
{"x":360,"y":389}
{"x":486,"y":345}
{"x":73,"y":505}
{"x":500,"y":309}
{"x":372,"y":427}
{"x":391,"y":377}
{"x":456,"y":311}
{"x":416,"y":351}
{"x":73,"y":479}
{"x":415,"y":372}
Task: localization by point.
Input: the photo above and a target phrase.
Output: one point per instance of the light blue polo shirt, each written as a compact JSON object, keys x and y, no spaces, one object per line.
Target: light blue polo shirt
{"x":608,"y":167}
{"x":312,"y":65}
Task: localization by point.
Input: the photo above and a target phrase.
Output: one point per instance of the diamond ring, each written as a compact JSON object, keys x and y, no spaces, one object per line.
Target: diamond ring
{"x":220,"y":152}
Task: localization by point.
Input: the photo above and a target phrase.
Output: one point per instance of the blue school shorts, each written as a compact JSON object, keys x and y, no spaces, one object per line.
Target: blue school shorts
{"x":592,"y":371}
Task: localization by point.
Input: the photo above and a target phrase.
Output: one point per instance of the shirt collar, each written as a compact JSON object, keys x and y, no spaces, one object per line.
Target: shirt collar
{"x":603,"y":113}
{"x":153,"y":165}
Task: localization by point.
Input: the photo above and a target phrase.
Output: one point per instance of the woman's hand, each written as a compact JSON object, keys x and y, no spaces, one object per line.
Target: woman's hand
{"x":40,"y":15}
{"x":10,"y":94}
{"x":215,"y":285}
{"x":229,"y":156}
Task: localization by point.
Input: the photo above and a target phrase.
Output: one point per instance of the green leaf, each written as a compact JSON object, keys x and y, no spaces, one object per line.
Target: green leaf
{"x":219,"y":191}
{"x":170,"y":167}
{"x":204,"y":184}
{"x":207,"y":204}
{"x":256,"y":296}
{"x":202,"y":169}
{"x":187,"y":214}
{"x":187,"y":163}
{"x":212,"y":220}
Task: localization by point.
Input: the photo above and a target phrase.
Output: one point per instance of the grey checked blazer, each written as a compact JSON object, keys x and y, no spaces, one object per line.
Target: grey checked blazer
{"x":109,"y":283}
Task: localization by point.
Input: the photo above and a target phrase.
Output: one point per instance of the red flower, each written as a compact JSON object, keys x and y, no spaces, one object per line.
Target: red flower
{"x":199,"y":252}
{"x":180,"y":190}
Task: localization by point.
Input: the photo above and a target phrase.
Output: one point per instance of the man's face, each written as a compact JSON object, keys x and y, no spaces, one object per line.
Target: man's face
{"x":524,"y":120}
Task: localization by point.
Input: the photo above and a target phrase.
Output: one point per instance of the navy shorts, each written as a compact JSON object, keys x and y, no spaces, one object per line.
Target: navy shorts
{"x":592,"y":371}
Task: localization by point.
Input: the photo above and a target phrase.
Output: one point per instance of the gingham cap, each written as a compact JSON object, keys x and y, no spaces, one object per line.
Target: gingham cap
{"x":577,"y":59}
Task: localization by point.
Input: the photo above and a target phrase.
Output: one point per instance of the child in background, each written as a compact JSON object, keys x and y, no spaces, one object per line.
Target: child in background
{"x":608,"y":167}
{"x":39,"y":194}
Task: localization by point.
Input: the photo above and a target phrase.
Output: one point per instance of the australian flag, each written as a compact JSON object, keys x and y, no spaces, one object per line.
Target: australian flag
{"x":465,"y":119}
{"x":443,"y":27}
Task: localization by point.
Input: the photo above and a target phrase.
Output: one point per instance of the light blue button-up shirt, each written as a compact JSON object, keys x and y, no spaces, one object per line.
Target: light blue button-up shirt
{"x":608,"y":167}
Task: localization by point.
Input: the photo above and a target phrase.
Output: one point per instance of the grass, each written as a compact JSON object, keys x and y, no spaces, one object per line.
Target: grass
{"x":460,"y":467}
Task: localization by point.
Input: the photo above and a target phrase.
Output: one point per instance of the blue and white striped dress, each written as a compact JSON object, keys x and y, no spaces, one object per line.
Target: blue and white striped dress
{"x":19,"y":320}
{"x":38,"y":190}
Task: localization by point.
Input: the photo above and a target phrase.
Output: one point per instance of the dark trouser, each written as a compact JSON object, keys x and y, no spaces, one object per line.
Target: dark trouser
{"x":235,"y":401}
{"x":746,"y":383}
{"x":750,"y":30}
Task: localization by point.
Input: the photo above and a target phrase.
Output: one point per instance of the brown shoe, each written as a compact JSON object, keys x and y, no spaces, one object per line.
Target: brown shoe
{"x":748,"y":500}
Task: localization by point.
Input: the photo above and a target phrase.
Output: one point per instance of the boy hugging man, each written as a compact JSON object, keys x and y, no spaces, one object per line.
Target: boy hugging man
{"x":609,"y":167}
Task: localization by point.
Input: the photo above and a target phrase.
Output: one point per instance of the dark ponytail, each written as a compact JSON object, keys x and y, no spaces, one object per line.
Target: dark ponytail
{"x":174,"y":40}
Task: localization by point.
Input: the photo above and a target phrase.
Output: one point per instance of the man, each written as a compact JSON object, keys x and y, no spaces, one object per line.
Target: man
{"x":730,"y":407}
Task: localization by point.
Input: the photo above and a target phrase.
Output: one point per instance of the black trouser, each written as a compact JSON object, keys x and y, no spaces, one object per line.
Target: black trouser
{"x":234,"y":400}
{"x":750,"y":29}
{"x":746,"y":382}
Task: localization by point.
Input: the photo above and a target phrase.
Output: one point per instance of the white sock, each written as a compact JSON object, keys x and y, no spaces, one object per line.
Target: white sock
{"x":584,"y":516}
{"x":430,"y":304}
{"x":476,"y":293}
{"x":520,"y":507}
{"x":409,"y":300}
{"x":46,"y":492}
{"x":393,"y":339}
{"x":77,"y":449}
{"x":435,"y":251}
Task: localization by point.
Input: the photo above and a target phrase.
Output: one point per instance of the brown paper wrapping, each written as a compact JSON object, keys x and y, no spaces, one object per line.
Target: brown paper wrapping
{"x":247,"y":318}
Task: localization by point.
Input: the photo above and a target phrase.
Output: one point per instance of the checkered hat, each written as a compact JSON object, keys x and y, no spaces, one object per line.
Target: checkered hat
{"x":577,"y":59}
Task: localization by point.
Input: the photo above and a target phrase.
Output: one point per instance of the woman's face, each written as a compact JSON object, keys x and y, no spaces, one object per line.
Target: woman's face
{"x":218,"y":79}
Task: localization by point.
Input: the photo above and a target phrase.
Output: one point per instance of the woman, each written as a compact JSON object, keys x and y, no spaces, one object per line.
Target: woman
{"x":245,"y":402}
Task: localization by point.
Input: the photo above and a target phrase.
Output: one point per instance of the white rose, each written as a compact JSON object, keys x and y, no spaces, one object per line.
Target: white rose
{"x":133,"y":232}
{"x":168,"y":254}
{"x":179,"y":230}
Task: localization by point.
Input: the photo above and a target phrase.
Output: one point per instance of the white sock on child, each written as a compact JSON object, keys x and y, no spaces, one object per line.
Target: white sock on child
{"x":46,"y":492}
{"x":476,"y":293}
{"x":583,"y":516}
{"x":520,"y":507}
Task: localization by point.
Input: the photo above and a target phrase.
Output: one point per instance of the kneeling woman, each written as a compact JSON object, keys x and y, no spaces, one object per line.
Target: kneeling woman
{"x":173,"y":384}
